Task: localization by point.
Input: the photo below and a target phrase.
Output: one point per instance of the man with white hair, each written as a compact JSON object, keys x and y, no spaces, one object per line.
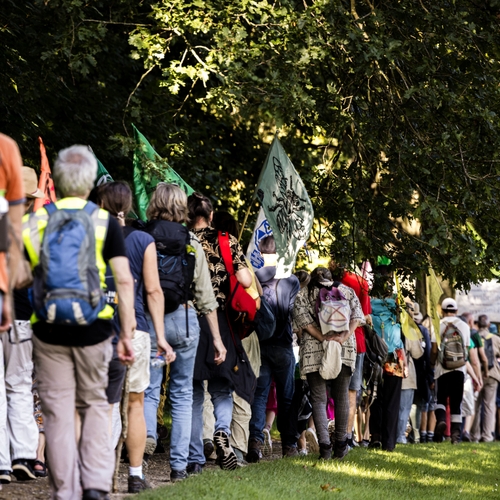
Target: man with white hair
{"x":69,"y":244}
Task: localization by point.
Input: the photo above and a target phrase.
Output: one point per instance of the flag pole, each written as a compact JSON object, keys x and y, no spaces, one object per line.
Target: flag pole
{"x":246,"y":218}
{"x":256,"y":187}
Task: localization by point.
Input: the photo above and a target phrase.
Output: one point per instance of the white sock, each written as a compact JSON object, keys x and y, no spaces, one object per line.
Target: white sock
{"x":135,"y":471}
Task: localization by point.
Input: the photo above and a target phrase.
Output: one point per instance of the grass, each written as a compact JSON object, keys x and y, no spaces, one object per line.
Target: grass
{"x":429,"y":471}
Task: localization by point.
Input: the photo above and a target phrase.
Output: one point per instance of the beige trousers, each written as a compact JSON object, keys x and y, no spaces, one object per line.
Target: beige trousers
{"x":69,"y":378}
{"x":487,"y":395}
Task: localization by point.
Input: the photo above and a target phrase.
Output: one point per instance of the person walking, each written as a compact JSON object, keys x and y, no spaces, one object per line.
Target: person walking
{"x":196,"y":305}
{"x":277,"y":358}
{"x":72,"y":345}
{"x":116,"y":198}
{"x":483,"y":429}
{"x":450,"y":376}
{"x":15,"y":382}
{"x":311,"y":357}
{"x":235,"y":373}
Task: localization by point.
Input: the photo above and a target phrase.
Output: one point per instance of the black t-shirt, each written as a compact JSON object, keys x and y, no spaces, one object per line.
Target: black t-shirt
{"x":100,"y":330}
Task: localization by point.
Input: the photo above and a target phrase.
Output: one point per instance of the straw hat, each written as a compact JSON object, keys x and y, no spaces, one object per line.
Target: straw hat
{"x":31,"y":183}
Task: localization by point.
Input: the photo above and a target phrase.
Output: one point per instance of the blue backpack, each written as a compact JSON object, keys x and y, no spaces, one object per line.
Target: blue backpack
{"x":66,"y":283}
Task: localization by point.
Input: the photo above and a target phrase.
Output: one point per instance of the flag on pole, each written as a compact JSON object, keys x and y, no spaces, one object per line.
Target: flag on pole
{"x":408,"y":326}
{"x":261,"y":230}
{"x":103,"y":176}
{"x":434,"y":292}
{"x":286,"y":205}
{"x":45,"y":183}
{"x":149,"y":170}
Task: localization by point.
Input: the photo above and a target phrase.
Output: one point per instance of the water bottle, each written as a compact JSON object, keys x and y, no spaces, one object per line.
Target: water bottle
{"x":158,"y":362}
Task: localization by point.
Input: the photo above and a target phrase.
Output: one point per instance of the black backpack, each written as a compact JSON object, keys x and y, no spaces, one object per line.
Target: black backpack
{"x":176,"y":262}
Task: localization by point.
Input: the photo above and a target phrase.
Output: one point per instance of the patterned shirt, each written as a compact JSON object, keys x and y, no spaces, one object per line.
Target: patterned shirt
{"x":311,"y":350}
{"x":209,"y":238}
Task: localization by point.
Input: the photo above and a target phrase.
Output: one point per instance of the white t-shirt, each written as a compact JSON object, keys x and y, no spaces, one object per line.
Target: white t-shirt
{"x":464,"y":330}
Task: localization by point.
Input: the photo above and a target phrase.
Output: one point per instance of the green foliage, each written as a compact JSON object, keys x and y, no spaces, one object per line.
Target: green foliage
{"x":388,"y":110}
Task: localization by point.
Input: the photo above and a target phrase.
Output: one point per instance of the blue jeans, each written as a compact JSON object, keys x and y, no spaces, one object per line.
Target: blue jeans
{"x":277,"y":362}
{"x":180,"y":385}
{"x":222,"y":398}
{"x":404,"y":413}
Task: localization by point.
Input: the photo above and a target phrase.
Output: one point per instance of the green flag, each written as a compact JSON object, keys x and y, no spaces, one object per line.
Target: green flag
{"x":149,"y":170}
{"x":103,"y":175}
{"x":287,"y":206}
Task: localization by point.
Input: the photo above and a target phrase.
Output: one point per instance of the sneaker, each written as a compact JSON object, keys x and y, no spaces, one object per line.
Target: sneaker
{"x":95,"y":495}
{"x":226,"y":457}
{"x":375,"y":445}
{"x":341,"y":450}
{"x":290,"y":451}
{"x":302,"y":452}
{"x":325,"y":451}
{"x":23,"y":470}
{"x":193,"y":469}
{"x":439,"y":432}
{"x":267,"y":449}
{"x":209,"y":450}
{"x":150,"y":445}
{"x":241,"y":459}
{"x":466,"y":437}
{"x":178,"y":475}
{"x":254,"y":454}
{"x":5,"y":477}
{"x":136,"y":484}
{"x":364,"y":443}
{"x":352,"y":443}
{"x":312,"y":440}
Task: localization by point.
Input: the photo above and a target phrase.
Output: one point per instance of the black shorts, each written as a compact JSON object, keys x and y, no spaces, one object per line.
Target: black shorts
{"x":116,"y":376}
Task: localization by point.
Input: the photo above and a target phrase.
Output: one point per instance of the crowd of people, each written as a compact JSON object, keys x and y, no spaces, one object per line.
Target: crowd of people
{"x":123,"y":314}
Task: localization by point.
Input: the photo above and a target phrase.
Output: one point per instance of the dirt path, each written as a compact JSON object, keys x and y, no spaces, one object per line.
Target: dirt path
{"x":157,"y":473}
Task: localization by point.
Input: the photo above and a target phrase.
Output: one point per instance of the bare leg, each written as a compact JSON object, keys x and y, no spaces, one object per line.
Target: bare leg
{"x":366,"y":434}
{"x":40,"y":451}
{"x":270,"y":416}
{"x":431,"y":421}
{"x":136,"y":436}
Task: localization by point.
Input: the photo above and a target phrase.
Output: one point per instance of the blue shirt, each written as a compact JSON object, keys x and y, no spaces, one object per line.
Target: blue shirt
{"x":136,"y":244}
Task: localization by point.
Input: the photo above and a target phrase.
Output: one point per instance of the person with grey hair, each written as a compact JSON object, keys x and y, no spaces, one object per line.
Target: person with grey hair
{"x":73,"y":330}
{"x":189,"y":303}
{"x":75,"y":171}
{"x":487,"y":395}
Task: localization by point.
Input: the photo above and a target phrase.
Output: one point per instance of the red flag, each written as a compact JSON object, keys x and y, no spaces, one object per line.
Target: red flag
{"x":45,"y":184}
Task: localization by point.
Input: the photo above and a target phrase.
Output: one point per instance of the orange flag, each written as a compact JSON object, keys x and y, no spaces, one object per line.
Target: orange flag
{"x":45,"y":184}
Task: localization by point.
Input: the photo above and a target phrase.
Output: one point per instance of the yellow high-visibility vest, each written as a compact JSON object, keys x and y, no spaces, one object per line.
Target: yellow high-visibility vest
{"x":34,"y":227}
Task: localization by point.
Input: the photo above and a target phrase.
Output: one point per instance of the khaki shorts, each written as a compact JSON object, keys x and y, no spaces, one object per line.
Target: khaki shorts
{"x":139,"y":371}
{"x":468,"y":400}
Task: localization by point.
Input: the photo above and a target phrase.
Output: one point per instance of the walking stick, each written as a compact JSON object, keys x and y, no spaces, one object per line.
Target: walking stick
{"x":123,"y":435}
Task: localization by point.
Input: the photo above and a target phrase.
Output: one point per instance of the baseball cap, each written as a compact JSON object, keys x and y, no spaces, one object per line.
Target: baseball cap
{"x":449,"y":304}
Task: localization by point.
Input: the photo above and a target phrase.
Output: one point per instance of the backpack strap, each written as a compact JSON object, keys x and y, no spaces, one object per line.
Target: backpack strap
{"x":90,"y":208}
{"x":225,"y":252}
{"x":51,"y":208}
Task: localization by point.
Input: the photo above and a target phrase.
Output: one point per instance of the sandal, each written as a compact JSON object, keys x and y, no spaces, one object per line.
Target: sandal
{"x":39,"y":472}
